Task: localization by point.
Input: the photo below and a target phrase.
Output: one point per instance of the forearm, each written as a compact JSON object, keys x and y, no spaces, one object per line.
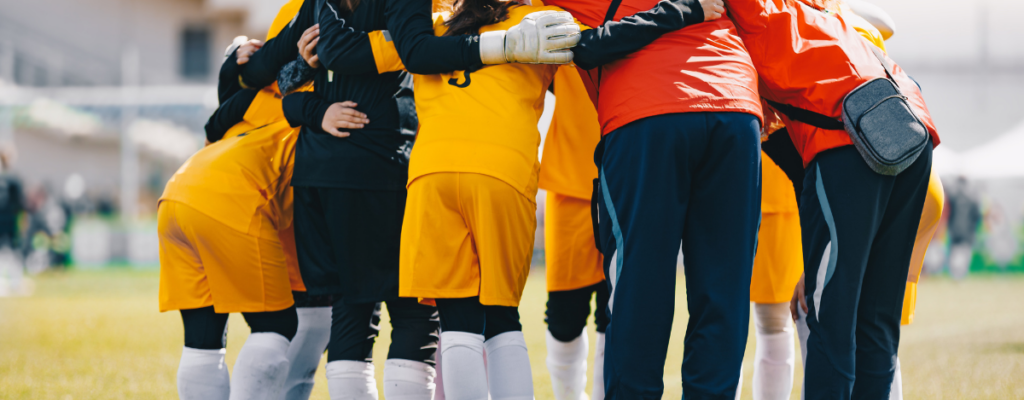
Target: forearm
{"x":341,"y":48}
{"x":227,"y":79}
{"x":411,"y":27}
{"x":305,"y":109}
{"x":230,"y":113}
{"x":617,"y":39}
{"x":263,"y":66}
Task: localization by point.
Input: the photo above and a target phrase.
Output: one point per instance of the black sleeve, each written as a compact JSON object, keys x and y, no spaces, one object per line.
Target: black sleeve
{"x":228,"y":114}
{"x":305,"y":109}
{"x":227,"y":80}
{"x":343,"y":49}
{"x":262,"y":68}
{"x":412,"y":28}
{"x":617,"y":39}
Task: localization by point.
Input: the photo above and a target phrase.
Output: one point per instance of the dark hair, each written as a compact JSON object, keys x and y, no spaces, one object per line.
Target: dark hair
{"x":347,"y":5}
{"x":468,"y":16}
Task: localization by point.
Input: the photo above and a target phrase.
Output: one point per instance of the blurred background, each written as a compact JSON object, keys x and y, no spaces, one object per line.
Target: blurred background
{"x":102,"y":100}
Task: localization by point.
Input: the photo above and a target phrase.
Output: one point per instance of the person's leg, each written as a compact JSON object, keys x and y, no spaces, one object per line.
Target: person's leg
{"x":202,"y":374}
{"x":881,"y":302}
{"x":508,"y":364}
{"x":601,"y":320}
{"x":313,"y":244}
{"x":409,"y":370}
{"x":643,"y":196}
{"x":896,"y":392}
{"x":842,"y":204}
{"x":462,"y":340}
{"x":775,"y":357}
{"x":262,"y":365}
{"x":719,"y":244}
{"x":573,"y":269}
{"x":802,"y":333}
{"x":350,"y":373}
{"x":567,"y":313}
{"x":308,"y":345}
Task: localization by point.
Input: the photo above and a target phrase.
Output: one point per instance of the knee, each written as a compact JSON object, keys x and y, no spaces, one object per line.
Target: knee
{"x":772,"y":318}
{"x":204,"y":328}
{"x":284,"y":322}
{"x":414,"y":331}
{"x":567,"y":313}
{"x":501,"y":319}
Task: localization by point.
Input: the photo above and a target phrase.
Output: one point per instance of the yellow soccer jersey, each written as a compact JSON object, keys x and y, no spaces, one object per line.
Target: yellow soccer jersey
{"x":483,"y":121}
{"x":568,"y":167}
{"x":240,"y":178}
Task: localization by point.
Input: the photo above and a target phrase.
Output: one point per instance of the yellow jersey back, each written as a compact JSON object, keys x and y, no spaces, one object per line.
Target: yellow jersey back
{"x":483,"y":121}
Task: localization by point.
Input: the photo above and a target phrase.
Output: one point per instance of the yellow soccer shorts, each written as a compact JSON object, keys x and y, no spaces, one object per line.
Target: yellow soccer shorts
{"x":930,"y":215}
{"x":203,"y":263}
{"x":778,"y":263}
{"x":466,"y":235}
{"x":572,"y":259}
{"x":287,"y":236}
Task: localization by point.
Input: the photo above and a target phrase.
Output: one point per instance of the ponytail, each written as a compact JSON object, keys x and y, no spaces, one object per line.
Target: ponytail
{"x":471,"y":15}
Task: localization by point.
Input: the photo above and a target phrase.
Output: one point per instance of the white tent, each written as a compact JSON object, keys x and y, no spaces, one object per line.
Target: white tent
{"x":1003,"y":157}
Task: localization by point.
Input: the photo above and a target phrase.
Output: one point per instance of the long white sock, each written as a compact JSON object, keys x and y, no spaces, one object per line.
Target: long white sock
{"x":261,"y":367}
{"x":465,"y":377}
{"x":408,"y":380}
{"x":351,"y":380}
{"x":775,"y":358}
{"x":567,"y":365}
{"x":508,"y":367}
{"x":802,"y":332}
{"x":597,"y":390}
{"x":202,"y":375}
{"x":305,"y":351}
{"x":896,"y":393}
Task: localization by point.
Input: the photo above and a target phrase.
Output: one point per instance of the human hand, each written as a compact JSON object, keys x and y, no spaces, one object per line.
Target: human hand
{"x":798,"y":298}
{"x":713,"y":9}
{"x":246,"y":50}
{"x":343,"y":116}
{"x":307,"y":46}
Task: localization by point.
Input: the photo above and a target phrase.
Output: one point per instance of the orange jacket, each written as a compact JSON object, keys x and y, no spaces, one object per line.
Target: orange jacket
{"x":811,"y":59}
{"x":700,"y":68}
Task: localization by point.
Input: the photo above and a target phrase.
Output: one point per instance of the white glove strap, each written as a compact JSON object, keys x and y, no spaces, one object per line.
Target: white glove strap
{"x":492,"y":47}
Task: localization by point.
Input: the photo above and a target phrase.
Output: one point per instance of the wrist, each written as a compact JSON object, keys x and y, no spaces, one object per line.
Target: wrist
{"x":492,"y":48}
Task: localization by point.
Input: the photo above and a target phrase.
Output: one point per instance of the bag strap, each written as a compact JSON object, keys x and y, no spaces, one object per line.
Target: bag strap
{"x":885,"y":64}
{"x":612,"y":9}
{"x":807,"y":116}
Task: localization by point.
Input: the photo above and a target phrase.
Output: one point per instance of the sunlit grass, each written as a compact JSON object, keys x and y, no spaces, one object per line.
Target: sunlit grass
{"x":97,"y":335}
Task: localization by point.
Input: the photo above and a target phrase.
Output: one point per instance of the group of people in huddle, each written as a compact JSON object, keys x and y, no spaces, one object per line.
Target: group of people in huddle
{"x":374,"y":153}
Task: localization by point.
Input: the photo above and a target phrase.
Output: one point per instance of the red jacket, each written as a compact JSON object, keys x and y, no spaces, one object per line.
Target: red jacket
{"x":700,"y":68}
{"x":809,"y":59}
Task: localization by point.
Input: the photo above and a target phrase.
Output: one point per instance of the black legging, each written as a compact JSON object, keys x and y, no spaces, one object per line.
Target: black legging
{"x":206,"y":329}
{"x":468,"y":315}
{"x":354,"y":329}
{"x":568,"y":311}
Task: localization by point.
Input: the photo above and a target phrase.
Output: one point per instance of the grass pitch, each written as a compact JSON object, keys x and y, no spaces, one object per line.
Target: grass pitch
{"x":97,"y":335}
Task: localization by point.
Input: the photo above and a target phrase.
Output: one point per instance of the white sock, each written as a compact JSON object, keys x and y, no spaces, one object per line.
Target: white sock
{"x":508,"y":367}
{"x":202,"y":375}
{"x":775,"y":357}
{"x":896,"y":393}
{"x":408,"y":380}
{"x":597,"y":390}
{"x":567,"y":365}
{"x":351,"y":380}
{"x":802,"y":332}
{"x":305,"y":351}
{"x":261,"y":367}
{"x":739,"y":384}
{"x":465,"y":377}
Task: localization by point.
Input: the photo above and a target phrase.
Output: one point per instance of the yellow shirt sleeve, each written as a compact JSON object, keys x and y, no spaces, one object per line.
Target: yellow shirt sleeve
{"x":384,"y":53}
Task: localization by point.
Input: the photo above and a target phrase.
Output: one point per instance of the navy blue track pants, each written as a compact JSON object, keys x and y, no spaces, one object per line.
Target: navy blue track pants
{"x":695,"y":178}
{"x":858,"y":235}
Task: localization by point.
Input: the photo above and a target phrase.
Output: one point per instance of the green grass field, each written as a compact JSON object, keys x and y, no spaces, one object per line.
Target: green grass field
{"x":97,"y":335}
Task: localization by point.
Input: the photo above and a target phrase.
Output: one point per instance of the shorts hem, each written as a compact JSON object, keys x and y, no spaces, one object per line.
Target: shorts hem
{"x":573,"y":286}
